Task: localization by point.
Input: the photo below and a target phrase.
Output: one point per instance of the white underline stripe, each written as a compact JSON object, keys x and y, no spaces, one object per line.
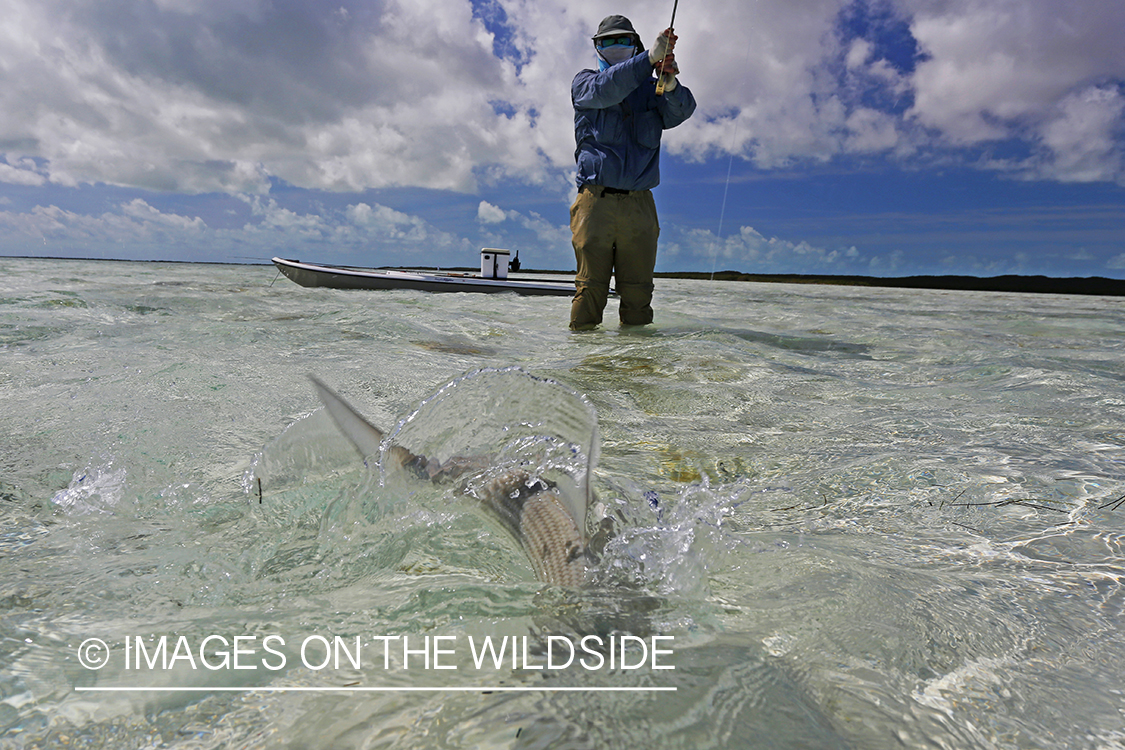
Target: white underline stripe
{"x":358,"y":689}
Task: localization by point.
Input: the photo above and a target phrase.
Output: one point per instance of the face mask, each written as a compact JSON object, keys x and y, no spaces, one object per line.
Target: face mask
{"x":613,"y":55}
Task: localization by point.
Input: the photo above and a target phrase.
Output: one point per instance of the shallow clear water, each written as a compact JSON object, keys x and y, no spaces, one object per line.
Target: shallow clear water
{"x":869,"y":517}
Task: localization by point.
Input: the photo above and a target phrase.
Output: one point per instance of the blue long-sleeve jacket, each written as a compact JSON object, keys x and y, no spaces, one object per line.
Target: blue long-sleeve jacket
{"x":618,"y":120}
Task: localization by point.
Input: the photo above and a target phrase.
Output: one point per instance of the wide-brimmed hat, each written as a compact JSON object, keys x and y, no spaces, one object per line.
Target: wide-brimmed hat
{"x":615,"y":26}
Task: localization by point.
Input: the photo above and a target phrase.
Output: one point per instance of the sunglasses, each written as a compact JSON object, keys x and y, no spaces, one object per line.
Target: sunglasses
{"x":614,"y":41}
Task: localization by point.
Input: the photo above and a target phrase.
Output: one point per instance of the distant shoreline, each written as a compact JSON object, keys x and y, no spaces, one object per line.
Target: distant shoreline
{"x":1091,"y":285}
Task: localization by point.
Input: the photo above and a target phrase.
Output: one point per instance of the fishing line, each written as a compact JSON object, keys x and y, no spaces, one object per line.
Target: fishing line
{"x":659,"y":92}
{"x":726,"y":187}
{"x":723,"y":209}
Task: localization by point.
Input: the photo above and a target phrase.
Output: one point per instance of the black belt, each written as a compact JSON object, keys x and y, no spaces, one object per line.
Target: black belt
{"x":607,"y":190}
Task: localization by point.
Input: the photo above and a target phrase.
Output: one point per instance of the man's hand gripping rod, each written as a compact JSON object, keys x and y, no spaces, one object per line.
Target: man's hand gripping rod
{"x":662,"y":81}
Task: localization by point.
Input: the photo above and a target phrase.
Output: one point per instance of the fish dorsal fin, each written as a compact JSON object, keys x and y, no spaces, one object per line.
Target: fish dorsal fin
{"x":366,"y":437}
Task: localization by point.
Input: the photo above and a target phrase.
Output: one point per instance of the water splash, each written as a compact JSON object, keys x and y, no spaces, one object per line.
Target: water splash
{"x":511,"y":418}
{"x":97,"y":488}
{"x":666,"y":544}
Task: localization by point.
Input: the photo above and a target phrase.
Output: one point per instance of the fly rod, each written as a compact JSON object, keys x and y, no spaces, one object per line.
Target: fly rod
{"x":662,"y":81}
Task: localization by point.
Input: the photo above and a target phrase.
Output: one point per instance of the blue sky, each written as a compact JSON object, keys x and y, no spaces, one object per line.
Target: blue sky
{"x":879,"y":137}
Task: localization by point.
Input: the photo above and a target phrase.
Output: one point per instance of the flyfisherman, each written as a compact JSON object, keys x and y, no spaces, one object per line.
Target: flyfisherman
{"x":618,"y":121}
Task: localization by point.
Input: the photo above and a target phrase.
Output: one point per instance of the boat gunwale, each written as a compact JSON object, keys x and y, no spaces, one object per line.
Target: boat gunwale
{"x":420,"y":279}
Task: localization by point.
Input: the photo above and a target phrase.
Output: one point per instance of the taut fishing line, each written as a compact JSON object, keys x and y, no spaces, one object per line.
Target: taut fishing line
{"x":726,"y":187}
{"x":723,"y":209}
{"x":730,"y":164}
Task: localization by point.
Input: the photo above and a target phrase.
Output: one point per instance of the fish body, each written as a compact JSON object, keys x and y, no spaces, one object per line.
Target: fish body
{"x":545,"y":518}
{"x":535,"y":513}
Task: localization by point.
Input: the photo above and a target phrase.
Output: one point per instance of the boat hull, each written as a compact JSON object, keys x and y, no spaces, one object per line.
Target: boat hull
{"x":342,"y":277}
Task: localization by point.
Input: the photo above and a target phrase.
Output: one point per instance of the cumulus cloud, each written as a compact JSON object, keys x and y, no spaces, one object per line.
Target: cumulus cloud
{"x":199,"y":96}
{"x":1081,"y":141}
{"x":132,"y":222}
{"x":23,"y":172}
{"x":208,"y":96}
{"x":750,"y":249}
{"x":1048,"y":74}
{"x":388,"y":226}
{"x":135,"y":229}
{"x":490,"y":214}
{"x":271,"y":217}
{"x":545,"y":244}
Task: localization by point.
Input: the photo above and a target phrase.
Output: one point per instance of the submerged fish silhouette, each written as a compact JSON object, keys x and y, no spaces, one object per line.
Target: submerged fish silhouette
{"x":547,"y":518}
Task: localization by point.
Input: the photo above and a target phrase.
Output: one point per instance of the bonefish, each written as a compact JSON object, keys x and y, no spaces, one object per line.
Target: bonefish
{"x":547,"y":519}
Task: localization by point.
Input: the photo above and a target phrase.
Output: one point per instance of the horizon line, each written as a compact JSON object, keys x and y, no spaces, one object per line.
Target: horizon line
{"x":765,"y":275}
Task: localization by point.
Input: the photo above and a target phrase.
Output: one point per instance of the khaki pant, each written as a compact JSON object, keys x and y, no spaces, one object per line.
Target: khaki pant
{"x":613,"y":234}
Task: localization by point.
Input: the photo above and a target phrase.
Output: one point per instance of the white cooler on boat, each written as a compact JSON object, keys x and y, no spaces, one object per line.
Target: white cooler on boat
{"x":494,"y":263}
